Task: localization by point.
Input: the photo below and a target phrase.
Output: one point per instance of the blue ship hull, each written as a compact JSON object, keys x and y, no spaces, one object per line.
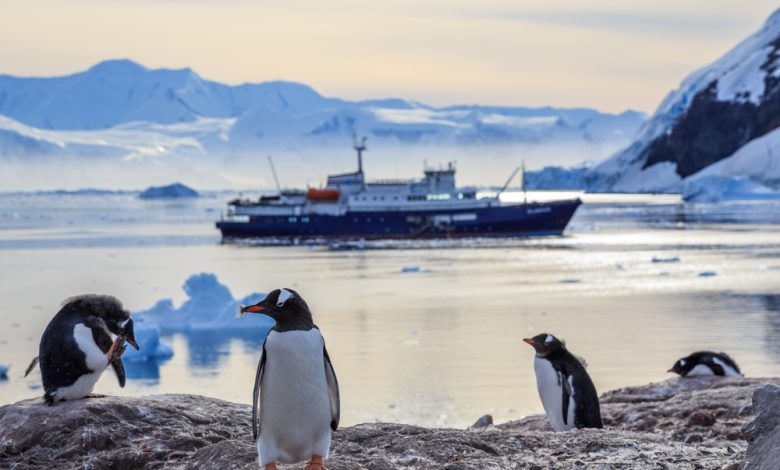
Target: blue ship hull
{"x":501,"y":221}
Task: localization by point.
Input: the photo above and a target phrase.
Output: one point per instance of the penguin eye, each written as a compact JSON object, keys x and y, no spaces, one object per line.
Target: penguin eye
{"x":279,"y":304}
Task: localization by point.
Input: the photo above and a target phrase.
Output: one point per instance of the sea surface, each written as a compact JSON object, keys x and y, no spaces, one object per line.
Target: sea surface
{"x":428,"y":333}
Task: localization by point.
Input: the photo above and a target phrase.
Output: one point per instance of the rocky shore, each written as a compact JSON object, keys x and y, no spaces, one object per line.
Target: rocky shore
{"x":677,"y":424}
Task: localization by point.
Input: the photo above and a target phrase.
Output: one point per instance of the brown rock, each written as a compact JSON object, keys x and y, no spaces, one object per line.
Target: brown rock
{"x":701,"y":418}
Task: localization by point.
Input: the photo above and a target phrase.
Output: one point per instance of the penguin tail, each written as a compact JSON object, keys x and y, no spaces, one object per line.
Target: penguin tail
{"x":31,"y":366}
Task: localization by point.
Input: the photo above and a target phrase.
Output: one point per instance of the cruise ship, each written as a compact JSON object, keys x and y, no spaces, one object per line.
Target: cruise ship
{"x":349,"y":207}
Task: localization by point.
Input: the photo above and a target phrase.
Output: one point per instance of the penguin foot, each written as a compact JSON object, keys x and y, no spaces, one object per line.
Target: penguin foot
{"x":315,"y":464}
{"x":95,"y":395}
{"x":270,"y":466}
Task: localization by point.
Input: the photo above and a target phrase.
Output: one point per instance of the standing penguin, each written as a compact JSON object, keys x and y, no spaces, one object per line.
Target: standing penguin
{"x":83,"y":338}
{"x":567,"y":392}
{"x":295,"y":405}
{"x":703,"y":363}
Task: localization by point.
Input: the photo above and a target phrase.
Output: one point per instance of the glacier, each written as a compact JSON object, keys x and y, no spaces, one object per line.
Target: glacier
{"x":119,"y":116}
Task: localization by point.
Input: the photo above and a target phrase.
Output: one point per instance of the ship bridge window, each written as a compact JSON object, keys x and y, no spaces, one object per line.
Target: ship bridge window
{"x":292,"y":220}
{"x":438,"y":197}
{"x":415,"y":197}
{"x":467,"y":195}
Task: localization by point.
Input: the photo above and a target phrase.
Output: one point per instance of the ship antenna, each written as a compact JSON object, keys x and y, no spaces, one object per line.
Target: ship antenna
{"x":273,"y":170}
{"x":522,"y":181}
{"x":511,"y":177}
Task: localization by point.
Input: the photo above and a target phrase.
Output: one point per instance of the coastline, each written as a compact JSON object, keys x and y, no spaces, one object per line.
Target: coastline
{"x":679,"y":423}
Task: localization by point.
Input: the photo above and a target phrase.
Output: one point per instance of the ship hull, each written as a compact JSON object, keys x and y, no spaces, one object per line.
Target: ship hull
{"x":520,"y":220}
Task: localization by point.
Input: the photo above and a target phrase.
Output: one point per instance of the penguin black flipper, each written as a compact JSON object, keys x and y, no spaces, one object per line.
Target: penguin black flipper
{"x":256,"y":395}
{"x":31,"y":366}
{"x":333,"y":391}
{"x":566,"y":394}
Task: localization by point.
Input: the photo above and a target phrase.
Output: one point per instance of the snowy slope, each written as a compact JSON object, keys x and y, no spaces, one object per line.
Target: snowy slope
{"x":116,"y":94}
{"x":753,"y":172}
{"x":716,"y":110}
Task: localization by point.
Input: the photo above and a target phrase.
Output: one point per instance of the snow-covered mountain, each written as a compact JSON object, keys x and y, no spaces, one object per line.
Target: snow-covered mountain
{"x":718,"y":110}
{"x":113,"y":94}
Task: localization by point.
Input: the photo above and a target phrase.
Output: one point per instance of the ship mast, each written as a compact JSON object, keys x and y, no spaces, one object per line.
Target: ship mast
{"x":359,"y":148}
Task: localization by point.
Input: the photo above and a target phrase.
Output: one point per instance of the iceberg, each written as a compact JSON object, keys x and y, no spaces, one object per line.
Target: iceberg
{"x":716,"y":188}
{"x":210,"y":306}
{"x":147,"y":335}
{"x":172,"y":191}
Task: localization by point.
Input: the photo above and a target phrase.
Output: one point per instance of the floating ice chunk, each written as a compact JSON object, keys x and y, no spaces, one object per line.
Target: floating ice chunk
{"x":570,"y":280}
{"x":3,"y":371}
{"x":147,"y":335}
{"x":707,"y":274}
{"x":410,"y":269}
{"x":671,"y":259}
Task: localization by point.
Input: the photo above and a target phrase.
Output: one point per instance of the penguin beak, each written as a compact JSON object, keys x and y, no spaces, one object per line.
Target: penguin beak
{"x":670,"y":370}
{"x":251,"y":309}
{"x":133,"y":343}
{"x":529,"y":341}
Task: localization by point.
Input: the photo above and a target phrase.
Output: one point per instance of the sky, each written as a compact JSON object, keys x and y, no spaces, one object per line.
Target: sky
{"x":607,"y":54}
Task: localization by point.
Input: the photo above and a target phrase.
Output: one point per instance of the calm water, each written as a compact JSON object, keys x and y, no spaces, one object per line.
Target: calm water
{"x":441,"y":346}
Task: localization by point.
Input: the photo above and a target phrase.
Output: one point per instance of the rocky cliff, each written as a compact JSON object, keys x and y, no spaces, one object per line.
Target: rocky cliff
{"x":681,"y":424}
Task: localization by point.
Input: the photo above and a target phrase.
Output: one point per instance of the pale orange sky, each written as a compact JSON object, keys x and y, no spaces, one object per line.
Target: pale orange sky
{"x":611,"y":55}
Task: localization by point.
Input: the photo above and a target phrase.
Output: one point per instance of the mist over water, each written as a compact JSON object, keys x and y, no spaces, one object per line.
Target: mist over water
{"x":482,"y":165}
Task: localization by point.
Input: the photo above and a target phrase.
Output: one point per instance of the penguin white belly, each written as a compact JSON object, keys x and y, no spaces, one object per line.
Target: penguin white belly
{"x":727,"y":369}
{"x":551,"y":394}
{"x":294,"y":403}
{"x":95,"y":360}
{"x":700,"y":370}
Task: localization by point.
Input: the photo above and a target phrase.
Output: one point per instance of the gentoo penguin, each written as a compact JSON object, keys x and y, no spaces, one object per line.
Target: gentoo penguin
{"x":706,"y":363}
{"x":83,"y":338}
{"x":295,"y":405}
{"x":567,"y":392}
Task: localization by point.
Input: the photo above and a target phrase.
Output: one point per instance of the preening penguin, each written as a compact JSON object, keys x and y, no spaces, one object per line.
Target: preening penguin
{"x":295,"y":404}
{"x":567,"y":392}
{"x":702,"y":363}
{"x":83,"y":338}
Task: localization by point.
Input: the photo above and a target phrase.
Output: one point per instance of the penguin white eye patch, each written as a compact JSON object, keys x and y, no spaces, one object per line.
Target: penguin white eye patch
{"x":284,"y":296}
{"x":548,"y":339}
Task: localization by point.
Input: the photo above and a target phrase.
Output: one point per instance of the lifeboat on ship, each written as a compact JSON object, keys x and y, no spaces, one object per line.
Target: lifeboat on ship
{"x":323,"y":195}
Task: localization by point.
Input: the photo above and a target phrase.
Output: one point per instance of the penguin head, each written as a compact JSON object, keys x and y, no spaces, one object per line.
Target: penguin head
{"x":683,"y":366}
{"x":545,"y":344}
{"x":285,"y":306}
{"x":109,"y":309}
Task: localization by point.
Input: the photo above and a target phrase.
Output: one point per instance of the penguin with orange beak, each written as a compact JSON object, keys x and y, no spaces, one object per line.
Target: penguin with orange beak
{"x":295,"y":404}
{"x":568,"y":395}
{"x":86,"y":336}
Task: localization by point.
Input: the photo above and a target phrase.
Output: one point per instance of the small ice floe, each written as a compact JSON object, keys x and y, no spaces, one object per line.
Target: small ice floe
{"x":3,"y":371}
{"x":414,"y":269}
{"x":707,"y":274}
{"x":570,"y":280}
{"x":670,"y":259}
